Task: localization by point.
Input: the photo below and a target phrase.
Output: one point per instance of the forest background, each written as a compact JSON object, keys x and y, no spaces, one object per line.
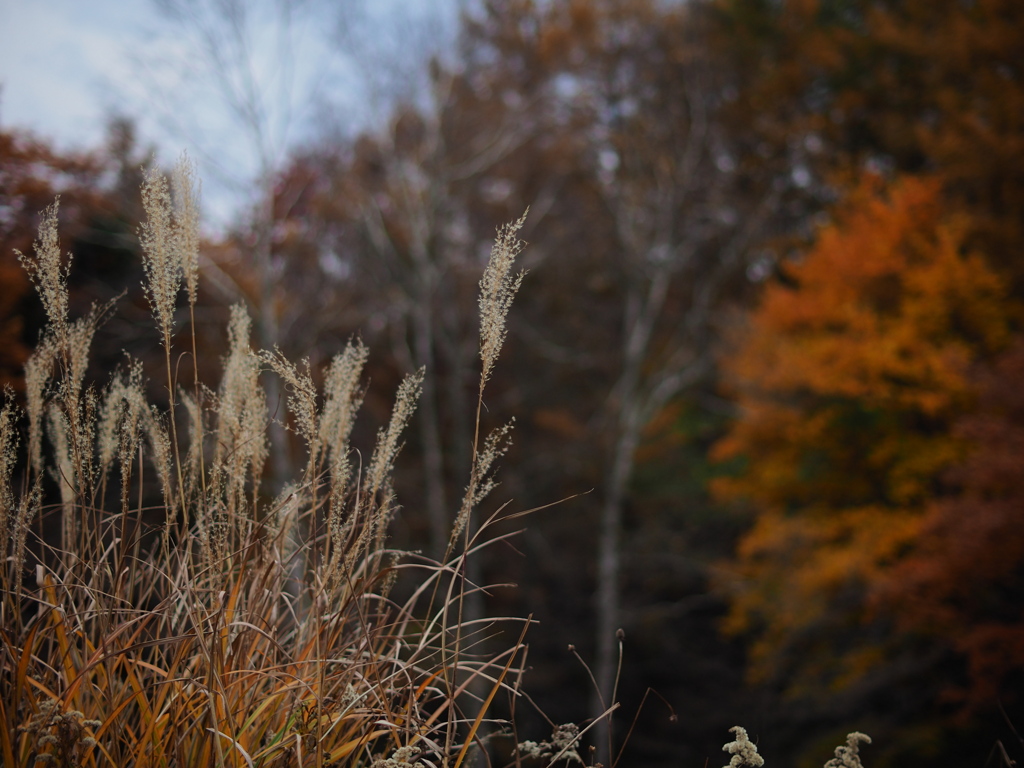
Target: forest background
{"x":768,"y":349}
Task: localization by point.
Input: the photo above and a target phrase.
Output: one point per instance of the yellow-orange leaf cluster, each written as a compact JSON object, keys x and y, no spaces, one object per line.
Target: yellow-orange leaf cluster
{"x":852,"y":374}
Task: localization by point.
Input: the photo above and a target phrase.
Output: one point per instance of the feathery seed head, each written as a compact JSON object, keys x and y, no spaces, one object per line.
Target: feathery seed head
{"x":342,"y":397}
{"x":161,"y":254}
{"x":241,"y":413}
{"x":160,"y":445}
{"x":110,"y":423}
{"x":120,"y":425}
{"x":195,"y":435}
{"x":79,"y":341}
{"x":28,"y":509}
{"x":498,"y":287}
{"x":120,"y":413}
{"x":388,"y":445}
{"x":186,"y":220}
{"x":63,"y":471}
{"x":301,"y":395}
{"x":239,"y":380}
{"x":496,"y":444}
{"x":8,"y":458}
{"x":38,"y":371}
{"x":46,"y":273}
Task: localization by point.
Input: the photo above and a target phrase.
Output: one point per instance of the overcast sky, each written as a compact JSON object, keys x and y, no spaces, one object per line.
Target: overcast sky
{"x":66,"y":66}
{"x":60,"y":61}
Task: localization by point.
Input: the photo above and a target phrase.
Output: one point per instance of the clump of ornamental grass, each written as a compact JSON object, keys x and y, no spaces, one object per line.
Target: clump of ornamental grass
{"x":184,"y":619}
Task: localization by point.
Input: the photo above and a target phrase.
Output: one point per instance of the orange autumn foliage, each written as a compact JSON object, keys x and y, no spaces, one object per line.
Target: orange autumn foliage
{"x":850,"y":378}
{"x":964,"y":578}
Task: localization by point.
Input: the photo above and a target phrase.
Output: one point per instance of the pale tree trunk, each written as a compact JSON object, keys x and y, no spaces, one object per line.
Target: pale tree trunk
{"x":635,"y":399}
{"x":608,"y":570}
{"x":626,"y":422}
{"x":430,"y":429}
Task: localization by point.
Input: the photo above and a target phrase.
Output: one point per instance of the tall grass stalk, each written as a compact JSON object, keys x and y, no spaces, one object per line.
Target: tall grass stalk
{"x":183,"y":618}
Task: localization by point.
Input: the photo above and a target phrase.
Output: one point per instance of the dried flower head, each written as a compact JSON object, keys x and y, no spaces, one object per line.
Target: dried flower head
{"x":743,"y":750}
{"x":61,"y":734}
{"x":848,"y":756}
{"x":402,"y":758}
{"x":564,"y":743}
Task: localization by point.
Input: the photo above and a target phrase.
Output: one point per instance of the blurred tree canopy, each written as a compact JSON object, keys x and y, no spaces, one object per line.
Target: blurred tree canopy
{"x":875,"y":428}
{"x":851,"y":379}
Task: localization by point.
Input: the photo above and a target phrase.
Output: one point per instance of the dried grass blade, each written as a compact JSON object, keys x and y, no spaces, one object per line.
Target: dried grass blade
{"x":257,"y":713}
{"x":44,"y":688}
{"x":26,"y":656}
{"x":6,"y":748}
{"x":144,"y":705}
{"x":349,"y":747}
{"x":236,"y":745}
{"x":490,"y":697}
{"x":57,"y":617}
